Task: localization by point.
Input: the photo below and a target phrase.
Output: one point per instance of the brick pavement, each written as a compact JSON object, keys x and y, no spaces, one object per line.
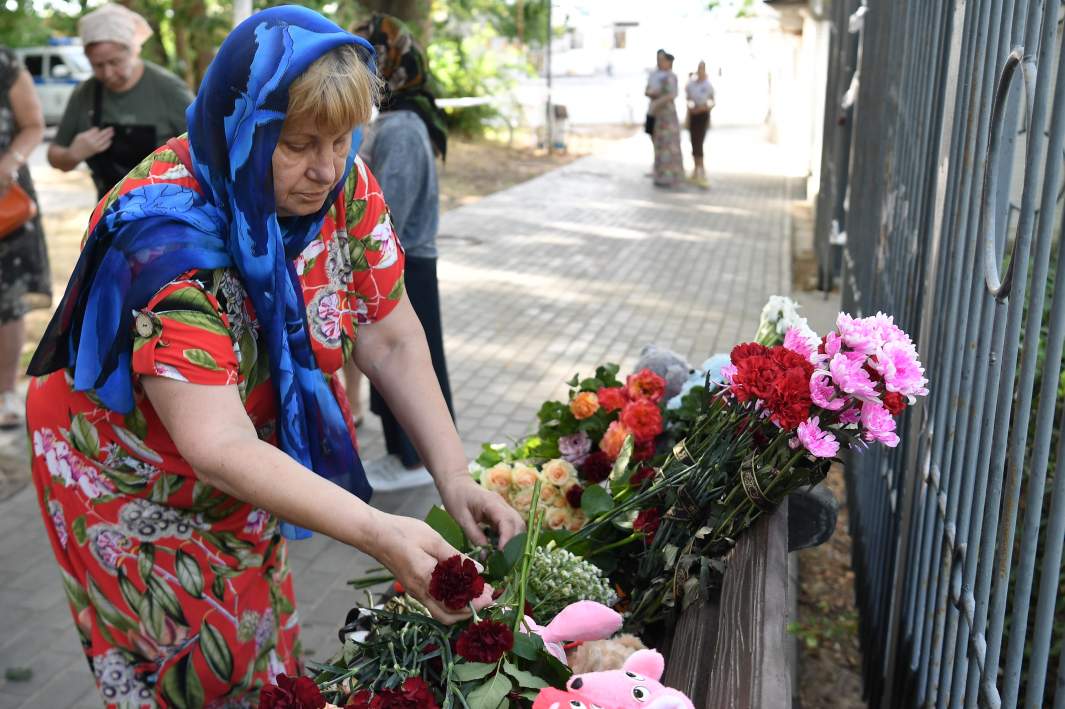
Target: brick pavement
{"x":579,"y":266}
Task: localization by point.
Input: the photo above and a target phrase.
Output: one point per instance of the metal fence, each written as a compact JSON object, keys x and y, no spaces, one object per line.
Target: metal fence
{"x":947,"y":179}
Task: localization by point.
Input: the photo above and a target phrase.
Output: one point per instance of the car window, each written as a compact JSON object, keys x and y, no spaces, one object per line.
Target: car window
{"x":34,"y":64}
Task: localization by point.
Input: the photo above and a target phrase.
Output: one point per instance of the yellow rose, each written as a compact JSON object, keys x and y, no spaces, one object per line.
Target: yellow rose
{"x":497,"y":478}
{"x":557,"y":518}
{"x":559,"y":472}
{"x":521,"y":500}
{"x":524,"y":476}
{"x":584,"y":405}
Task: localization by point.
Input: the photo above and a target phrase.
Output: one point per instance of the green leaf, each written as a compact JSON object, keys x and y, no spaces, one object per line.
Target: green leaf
{"x":146,"y":560}
{"x":189,"y":574}
{"x":397,"y":289}
{"x":18,"y":674}
{"x":78,"y":529}
{"x":86,"y":439}
{"x":492,"y":694}
{"x":136,"y":446}
{"x":528,"y":646}
{"x":215,"y":651}
{"x":514,"y":549}
{"x":496,"y":565}
{"x":446,"y":526}
{"x":193,"y":318}
{"x":136,"y":423}
{"x":202,"y":359}
{"x":107,"y":611}
{"x":356,"y":208}
{"x":181,"y":686}
{"x":129,"y":591}
{"x":468,"y":671}
{"x":590,"y":384}
{"x":619,"y":474}
{"x":524,"y":679}
{"x":166,"y":598}
{"x":190,"y":298}
{"x":574,"y":380}
{"x":218,"y":587}
{"x":166,"y":486}
{"x":75,"y":592}
{"x":596,"y":501}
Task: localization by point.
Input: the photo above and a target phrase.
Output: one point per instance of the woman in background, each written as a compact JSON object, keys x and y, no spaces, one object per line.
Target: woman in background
{"x":669,"y":166}
{"x":700,"y":94}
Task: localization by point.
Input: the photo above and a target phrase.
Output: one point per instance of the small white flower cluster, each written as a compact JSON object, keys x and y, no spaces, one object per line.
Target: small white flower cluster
{"x":779,"y":315}
{"x":558,"y":578}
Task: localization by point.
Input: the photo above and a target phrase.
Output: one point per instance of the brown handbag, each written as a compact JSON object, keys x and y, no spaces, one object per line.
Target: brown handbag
{"x":16,"y":208}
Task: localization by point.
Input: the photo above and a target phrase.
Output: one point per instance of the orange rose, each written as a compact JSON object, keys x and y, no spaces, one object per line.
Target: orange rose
{"x":614,"y":438}
{"x":584,"y":405}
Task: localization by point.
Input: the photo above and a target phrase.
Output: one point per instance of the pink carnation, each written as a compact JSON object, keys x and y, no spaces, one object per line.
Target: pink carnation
{"x":728,"y":373}
{"x":858,"y":333}
{"x":823,"y":394}
{"x":878,"y":424}
{"x":851,"y":415}
{"x":820,"y":444}
{"x":850,"y":376}
{"x":798,"y":343}
{"x":897,"y":363}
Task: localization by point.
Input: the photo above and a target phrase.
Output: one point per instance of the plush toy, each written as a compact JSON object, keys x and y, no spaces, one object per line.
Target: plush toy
{"x":667,"y":364}
{"x":600,"y":655}
{"x":635,"y":686}
{"x":583,"y":620}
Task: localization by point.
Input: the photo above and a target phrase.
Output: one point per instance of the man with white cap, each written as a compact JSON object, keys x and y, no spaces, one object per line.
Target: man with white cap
{"x":129,"y":107}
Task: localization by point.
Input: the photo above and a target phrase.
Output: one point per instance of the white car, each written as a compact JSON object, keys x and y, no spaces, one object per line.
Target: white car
{"x":56,"y":69}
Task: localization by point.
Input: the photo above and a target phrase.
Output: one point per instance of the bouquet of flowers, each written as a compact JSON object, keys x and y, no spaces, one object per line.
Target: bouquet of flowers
{"x":780,"y":417}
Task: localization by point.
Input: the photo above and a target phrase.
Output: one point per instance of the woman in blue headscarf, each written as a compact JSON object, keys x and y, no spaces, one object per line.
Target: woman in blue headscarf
{"x":185,"y":398}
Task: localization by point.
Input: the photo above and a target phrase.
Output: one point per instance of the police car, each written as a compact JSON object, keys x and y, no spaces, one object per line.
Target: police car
{"x":56,"y":70}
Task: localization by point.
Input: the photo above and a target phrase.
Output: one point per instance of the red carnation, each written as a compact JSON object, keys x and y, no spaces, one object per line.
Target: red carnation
{"x":647,"y":523}
{"x":645,"y":384}
{"x":643,"y":450}
{"x":597,"y":467}
{"x":894,"y":402}
{"x":643,"y":418}
{"x":641,"y":476}
{"x":455,"y":582}
{"x":291,"y":693}
{"x":414,"y":693}
{"x":611,"y":398}
{"x":485,"y":641}
{"x":573,"y":496}
{"x":747,"y":349}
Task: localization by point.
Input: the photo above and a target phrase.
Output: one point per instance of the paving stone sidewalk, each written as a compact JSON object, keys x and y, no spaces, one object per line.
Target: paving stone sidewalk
{"x":582,"y":265}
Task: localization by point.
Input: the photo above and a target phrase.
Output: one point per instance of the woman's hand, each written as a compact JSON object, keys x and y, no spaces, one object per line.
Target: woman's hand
{"x":471,"y":505}
{"x":410,"y":549}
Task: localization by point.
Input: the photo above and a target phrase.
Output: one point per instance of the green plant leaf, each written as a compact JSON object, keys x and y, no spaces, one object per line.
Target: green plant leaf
{"x":492,"y":694}
{"x":75,"y":592}
{"x":446,"y":526}
{"x":514,"y":549}
{"x":218,"y":587}
{"x":469,"y":671}
{"x":190,"y":298}
{"x":596,"y":501}
{"x":146,"y":560}
{"x":129,"y":591}
{"x":86,"y":439}
{"x":166,"y":598}
{"x":527,"y":646}
{"x":136,"y":423}
{"x":181,"y":686}
{"x":189,"y":574}
{"x":193,"y":318}
{"x":136,"y":446}
{"x":202,"y":359}
{"x":107,"y":611}
{"x":78,"y":529}
{"x":215,"y":651}
{"x":524,"y":679}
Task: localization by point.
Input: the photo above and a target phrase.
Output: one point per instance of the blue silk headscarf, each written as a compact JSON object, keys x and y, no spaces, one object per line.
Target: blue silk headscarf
{"x":154,"y":233}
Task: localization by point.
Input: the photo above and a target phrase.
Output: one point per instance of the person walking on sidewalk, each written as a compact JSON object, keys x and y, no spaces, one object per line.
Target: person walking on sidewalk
{"x":669,"y":166}
{"x":700,"y":95}
{"x":115,"y":119}
{"x":401,"y":147}
{"x":25,"y":279}
{"x":186,"y":398}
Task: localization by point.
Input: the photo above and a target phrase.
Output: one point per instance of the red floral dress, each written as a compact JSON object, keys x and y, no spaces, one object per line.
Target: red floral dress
{"x":181,"y":594}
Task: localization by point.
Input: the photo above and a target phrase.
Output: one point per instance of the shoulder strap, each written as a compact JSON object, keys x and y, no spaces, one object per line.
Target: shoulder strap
{"x":97,"y":103}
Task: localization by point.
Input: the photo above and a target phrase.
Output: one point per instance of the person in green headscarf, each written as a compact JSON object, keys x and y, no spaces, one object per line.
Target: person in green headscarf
{"x":400,"y":147}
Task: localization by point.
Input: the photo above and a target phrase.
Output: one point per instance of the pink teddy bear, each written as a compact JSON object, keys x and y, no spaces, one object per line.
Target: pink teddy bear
{"x":635,"y":686}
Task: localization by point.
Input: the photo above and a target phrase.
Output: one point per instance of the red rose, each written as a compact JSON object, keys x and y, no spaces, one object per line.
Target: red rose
{"x":414,"y":693}
{"x":894,"y":402}
{"x":612,"y":398}
{"x":573,"y":496}
{"x":485,"y":641}
{"x":645,"y":384}
{"x":643,"y":419}
{"x":291,"y":693}
{"x":643,"y":450}
{"x":597,"y":467}
{"x":647,"y":523}
{"x":641,"y":476}
{"x":455,"y":582}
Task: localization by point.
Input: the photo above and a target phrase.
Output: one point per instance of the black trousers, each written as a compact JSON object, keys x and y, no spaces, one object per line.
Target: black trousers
{"x":421,"y":284}
{"x":697,"y":125}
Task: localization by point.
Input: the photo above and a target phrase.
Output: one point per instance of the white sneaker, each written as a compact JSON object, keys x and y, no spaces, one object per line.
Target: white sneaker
{"x":12,"y":408}
{"x":388,"y":473}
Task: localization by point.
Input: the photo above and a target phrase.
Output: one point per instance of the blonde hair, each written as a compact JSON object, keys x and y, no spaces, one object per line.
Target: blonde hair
{"x":336,"y":93}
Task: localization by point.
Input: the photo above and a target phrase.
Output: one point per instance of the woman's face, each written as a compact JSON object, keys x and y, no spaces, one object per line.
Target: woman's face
{"x":307,"y":164}
{"x":113,"y":64}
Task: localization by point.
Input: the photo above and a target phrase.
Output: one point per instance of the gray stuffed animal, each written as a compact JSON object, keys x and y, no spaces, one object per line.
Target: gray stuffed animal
{"x":667,"y":364}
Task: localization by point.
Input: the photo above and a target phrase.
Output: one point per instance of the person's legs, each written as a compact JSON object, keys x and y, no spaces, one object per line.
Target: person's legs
{"x":12,"y":337}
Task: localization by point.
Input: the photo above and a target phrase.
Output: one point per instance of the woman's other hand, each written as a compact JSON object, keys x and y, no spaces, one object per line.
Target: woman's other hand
{"x":471,"y":505}
{"x":410,"y":549}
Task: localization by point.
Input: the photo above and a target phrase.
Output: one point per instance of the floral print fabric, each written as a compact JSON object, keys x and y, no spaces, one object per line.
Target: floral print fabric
{"x":181,"y":594}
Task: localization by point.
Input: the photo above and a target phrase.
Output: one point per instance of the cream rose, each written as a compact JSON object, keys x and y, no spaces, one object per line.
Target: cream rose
{"x":557,"y":518}
{"x":524,"y":476}
{"x":559,"y":472}
{"x":521,"y":500}
{"x":577,"y":520}
{"x":497,"y":478}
